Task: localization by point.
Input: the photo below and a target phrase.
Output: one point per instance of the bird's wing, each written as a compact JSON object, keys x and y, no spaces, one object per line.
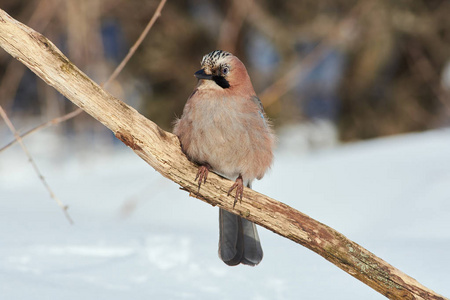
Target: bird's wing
{"x":258,"y":103}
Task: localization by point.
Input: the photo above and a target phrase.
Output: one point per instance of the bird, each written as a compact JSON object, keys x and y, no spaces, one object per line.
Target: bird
{"x":224,"y":129}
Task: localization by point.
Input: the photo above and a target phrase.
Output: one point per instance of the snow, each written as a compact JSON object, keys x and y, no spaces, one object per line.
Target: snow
{"x":136,"y":235}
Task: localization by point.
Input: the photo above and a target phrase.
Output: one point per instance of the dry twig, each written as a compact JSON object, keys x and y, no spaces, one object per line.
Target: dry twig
{"x":113,"y":76}
{"x":44,"y":125}
{"x":133,"y":49}
{"x":36,"y":169}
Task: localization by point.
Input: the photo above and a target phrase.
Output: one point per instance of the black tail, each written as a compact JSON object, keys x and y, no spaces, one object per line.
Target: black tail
{"x":238,"y":240}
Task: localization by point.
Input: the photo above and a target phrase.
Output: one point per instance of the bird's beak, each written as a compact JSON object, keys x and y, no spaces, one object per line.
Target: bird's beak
{"x":200,"y":74}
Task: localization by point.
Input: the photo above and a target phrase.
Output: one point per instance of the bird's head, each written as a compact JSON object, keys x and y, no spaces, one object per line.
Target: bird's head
{"x":223,"y":70}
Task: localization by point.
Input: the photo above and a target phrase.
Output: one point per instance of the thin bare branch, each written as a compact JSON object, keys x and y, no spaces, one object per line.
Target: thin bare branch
{"x":44,"y":125}
{"x":113,"y":76}
{"x":36,"y":169}
{"x":133,"y":49}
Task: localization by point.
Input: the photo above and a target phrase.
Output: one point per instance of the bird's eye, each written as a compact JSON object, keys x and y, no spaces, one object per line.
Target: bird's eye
{"x":225,"y":71}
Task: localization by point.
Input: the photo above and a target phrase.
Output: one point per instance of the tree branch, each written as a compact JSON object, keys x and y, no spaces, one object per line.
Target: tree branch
{"x":35,"y":167}
{"x":113,"y":76}
{"x":162,"y":151}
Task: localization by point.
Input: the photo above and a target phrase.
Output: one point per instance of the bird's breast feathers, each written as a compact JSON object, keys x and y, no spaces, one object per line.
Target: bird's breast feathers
{"x":228,"y":133}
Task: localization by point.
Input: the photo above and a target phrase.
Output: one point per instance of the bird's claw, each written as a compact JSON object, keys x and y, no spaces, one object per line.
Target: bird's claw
{"x":202,"y":174}
{"x":239,"y":186}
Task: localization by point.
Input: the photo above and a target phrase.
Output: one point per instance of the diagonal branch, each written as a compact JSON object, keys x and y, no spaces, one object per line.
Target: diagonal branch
{"x":35,"y":167}
{"x":139,"y":41}
{"x":162,"y":151}
{"x":111,"y":78}
{"x":43,"y":125}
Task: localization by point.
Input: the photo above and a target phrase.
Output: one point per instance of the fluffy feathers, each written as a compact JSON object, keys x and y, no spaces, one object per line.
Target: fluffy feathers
{"x":224,"y":127}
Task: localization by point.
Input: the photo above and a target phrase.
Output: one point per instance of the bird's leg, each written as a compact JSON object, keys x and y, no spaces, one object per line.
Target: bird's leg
{"x":202,"y":174}
{"x":239,"y":186}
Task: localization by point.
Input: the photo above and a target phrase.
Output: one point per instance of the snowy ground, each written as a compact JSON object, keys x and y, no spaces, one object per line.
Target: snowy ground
{"x":137,"y":236}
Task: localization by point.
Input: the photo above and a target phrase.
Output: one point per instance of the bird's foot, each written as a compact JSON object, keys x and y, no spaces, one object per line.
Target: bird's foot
{"x":239,"y":186}
{"x":202,"y":174}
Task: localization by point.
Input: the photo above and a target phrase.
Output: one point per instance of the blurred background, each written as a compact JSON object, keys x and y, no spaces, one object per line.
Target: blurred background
{"x":361,"y":69}
{"x":358,"y":92}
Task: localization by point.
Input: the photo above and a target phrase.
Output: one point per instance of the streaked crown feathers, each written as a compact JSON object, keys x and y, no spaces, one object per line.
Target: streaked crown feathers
{"x":211,"y":59}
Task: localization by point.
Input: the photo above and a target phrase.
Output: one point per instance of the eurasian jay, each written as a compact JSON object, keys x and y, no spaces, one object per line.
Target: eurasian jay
{"x":223,"y":128}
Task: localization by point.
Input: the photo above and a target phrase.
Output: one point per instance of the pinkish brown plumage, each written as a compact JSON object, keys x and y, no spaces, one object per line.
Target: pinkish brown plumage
{"x":223,"y":128}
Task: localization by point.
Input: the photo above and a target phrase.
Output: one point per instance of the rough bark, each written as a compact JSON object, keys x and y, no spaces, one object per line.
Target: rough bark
{"x":161,"y":150}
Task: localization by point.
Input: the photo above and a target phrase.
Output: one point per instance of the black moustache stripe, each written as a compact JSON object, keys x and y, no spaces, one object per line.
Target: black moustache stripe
{"x":221,"y":81}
